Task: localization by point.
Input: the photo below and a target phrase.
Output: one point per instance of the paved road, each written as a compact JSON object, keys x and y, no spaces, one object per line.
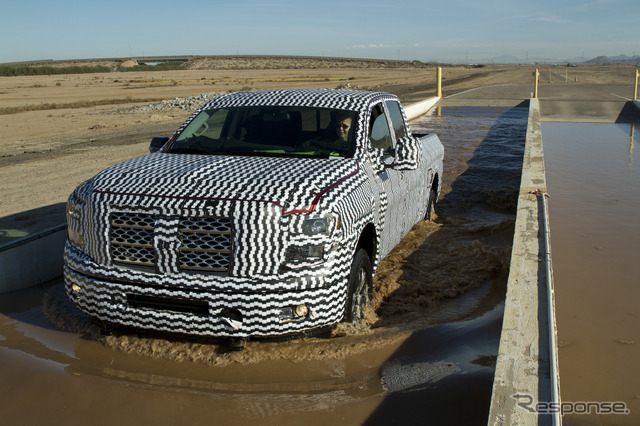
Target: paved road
{"x":559,"y":101}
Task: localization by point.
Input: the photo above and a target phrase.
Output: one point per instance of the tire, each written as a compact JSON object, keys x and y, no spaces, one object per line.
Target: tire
{"x":431,"y":205}
{"x":360,"y":288}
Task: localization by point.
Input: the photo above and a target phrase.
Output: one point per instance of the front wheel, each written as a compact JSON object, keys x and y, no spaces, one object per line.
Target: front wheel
{"x":360,"y":288}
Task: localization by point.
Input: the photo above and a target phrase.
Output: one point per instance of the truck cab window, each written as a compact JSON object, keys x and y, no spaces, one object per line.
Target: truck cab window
{"x":399,"y":127}
{"x":379,"y":134}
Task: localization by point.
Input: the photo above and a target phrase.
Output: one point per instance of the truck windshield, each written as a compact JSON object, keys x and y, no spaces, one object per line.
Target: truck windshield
{"x":269,"y":130}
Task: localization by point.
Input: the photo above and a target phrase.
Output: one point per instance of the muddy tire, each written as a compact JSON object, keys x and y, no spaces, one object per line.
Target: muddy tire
{"x":431,"y":205}
{"x":360,"y":288}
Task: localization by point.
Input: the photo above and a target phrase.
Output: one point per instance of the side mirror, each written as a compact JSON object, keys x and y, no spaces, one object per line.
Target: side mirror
{"x":408,"y":153}
{"x":378,"y":160}
{"x":157,"y":143}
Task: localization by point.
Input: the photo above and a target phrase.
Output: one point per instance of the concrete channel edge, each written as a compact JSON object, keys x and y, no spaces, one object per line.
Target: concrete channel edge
{"x":32,"y":260}
{"x":524,"y":369}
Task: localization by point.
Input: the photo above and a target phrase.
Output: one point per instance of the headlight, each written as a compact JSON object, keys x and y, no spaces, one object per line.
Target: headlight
{"x":75,"y":238}
{"x":312,"y":249}
{"x":75,"y":211}
{"x":303,"y":254}
{"x":320,"y":225}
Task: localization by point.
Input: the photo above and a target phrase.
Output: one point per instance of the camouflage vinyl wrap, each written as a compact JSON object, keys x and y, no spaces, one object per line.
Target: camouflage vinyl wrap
{"x":210,"y":233}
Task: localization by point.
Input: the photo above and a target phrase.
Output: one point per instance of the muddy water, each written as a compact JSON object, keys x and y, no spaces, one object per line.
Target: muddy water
{"x":429,"y":351}
{"x":593,"y":176}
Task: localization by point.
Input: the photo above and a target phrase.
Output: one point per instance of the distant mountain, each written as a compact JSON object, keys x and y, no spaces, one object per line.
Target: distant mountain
{"x":509,"y":59}
{"x":505,"y":59}
{"x":620,"y":59}
{"x":600,"y":60}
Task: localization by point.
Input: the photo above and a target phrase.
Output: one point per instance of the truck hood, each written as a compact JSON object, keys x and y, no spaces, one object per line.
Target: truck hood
{"x":295,"y":184}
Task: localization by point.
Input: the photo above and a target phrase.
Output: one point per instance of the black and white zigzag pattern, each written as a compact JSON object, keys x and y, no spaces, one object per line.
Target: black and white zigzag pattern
{"x":259,"y":204}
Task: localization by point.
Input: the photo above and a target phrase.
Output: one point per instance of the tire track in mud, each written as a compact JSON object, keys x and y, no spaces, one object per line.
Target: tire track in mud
{"x":419,"y":284}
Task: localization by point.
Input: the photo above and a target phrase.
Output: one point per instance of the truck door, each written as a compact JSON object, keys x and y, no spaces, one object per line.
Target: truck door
{"x":412,"y":179}
{"x":391,"y":183}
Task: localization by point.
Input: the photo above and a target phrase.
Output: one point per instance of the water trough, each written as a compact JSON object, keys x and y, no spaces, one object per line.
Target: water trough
{"x":523,"y":365}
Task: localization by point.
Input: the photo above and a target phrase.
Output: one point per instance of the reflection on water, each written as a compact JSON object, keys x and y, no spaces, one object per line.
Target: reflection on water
{"x":631,"y":143}
{"x":595,"y":237}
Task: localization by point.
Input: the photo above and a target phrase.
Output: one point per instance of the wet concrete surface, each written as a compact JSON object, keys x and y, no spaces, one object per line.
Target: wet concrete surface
{"x":559,"y":101}
{"x":429,"y":354}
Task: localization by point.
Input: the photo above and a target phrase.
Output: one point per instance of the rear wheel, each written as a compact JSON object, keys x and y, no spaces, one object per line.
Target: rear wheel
{"x":431,"y":205}
{"x":360,"y":288}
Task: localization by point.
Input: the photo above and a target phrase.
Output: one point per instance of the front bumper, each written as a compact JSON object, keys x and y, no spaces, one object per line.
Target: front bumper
{"x":172,"y":306}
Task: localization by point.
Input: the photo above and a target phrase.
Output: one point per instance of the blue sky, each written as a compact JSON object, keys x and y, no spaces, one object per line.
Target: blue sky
{"x":446,"y":31}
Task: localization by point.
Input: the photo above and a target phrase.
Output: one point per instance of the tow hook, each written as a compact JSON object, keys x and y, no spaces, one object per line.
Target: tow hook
{"x":236,"y":344}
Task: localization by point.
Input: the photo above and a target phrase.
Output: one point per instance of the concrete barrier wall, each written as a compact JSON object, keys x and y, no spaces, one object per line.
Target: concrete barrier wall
{"x":420,"y":108}
{"x":32,"y":260}
{"x":523,"y":369}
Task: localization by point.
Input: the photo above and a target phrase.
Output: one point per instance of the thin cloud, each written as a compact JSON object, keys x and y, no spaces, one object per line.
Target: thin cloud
{"x":370,"y":46}
{"x":554,"y":19}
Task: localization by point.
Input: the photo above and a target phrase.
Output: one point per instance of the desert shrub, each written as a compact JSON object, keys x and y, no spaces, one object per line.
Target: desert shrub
{"x":20,"y":70}
{"x":165,"y":66}
{"x":78,"y":104}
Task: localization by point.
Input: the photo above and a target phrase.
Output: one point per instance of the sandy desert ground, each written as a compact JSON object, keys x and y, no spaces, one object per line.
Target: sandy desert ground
{"x":60,"y":130}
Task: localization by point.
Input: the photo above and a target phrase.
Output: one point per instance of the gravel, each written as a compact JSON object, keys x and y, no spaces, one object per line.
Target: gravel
{"x":192,"y":103}
{"x":189,"y":103}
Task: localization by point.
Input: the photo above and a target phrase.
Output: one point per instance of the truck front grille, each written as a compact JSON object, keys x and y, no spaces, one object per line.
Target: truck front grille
{"x":132,"y":240}
{"x":206,"y":244}
{"x":203,"y":244}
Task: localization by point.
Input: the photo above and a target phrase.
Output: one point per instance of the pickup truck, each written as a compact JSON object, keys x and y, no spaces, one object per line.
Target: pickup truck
{"x":265,"y":214}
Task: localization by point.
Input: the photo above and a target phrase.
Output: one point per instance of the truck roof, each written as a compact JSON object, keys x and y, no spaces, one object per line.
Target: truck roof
{"x":352,"y":100}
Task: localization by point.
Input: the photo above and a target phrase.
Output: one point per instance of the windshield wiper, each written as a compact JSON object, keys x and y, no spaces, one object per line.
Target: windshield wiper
{"x":189,"y":150}
{"x":256,"y":153}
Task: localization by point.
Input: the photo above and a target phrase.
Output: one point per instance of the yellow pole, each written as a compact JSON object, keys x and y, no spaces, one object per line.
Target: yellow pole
{"x":439,"y":82}
{"x":535,"y":86}
{"x":635,"y":87}
{"x":549,"y":69}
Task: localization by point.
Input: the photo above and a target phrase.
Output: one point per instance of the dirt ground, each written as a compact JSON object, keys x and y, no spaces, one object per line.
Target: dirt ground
{"x":60,"y":130}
